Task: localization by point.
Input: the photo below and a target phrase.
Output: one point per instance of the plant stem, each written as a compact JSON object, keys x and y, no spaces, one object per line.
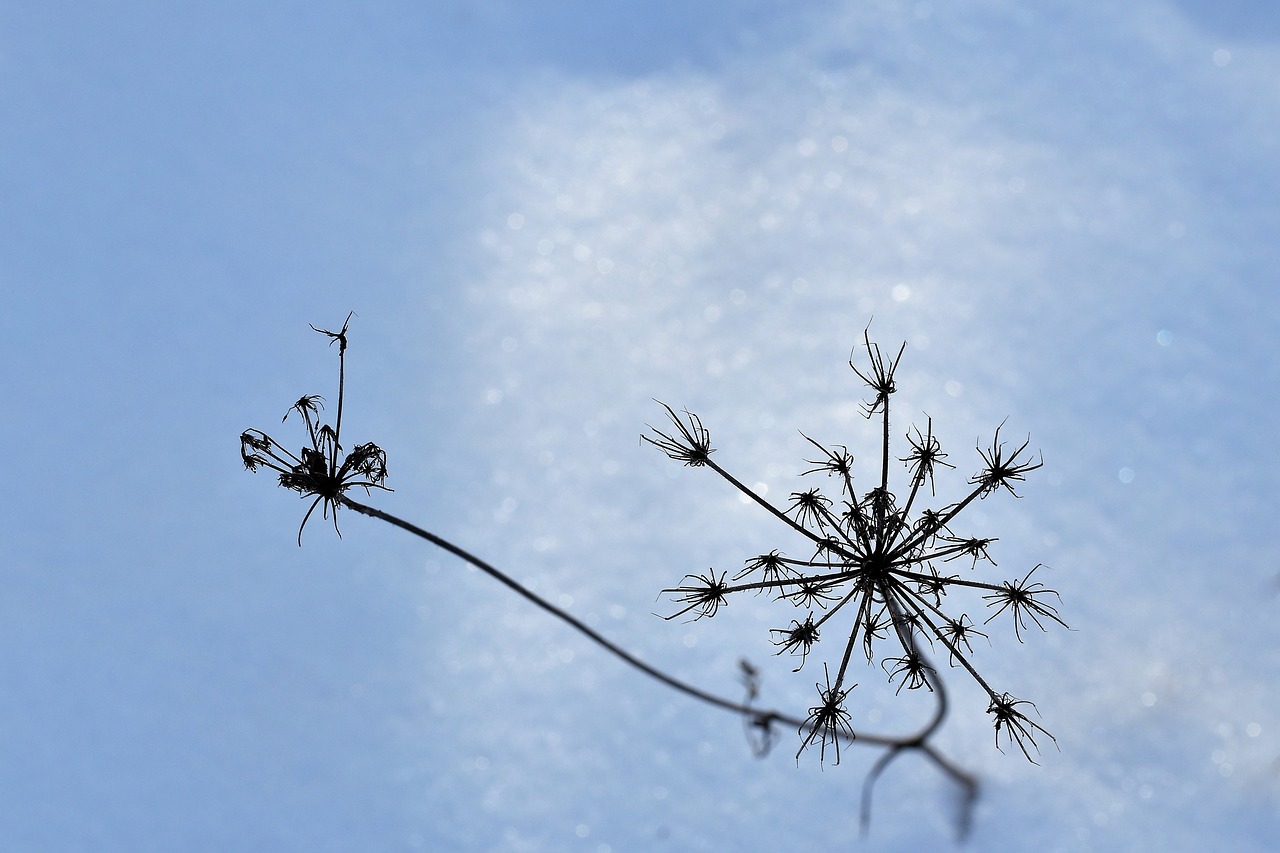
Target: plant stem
{"x":917,"y":741}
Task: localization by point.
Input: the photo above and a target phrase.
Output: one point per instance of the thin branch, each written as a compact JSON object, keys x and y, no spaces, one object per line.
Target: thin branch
{"x":591,"y":633}
{"x":762,"y":719}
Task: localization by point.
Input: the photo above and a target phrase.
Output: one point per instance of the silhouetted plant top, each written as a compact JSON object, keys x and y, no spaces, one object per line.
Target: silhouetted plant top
{"x":316,"y":469}
{"x":878,"y":570}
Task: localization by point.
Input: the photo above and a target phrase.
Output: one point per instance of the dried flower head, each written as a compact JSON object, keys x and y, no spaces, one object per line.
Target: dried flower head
{"x":877,"y":561}
{"x":913,"y":670}
{"x":691,"y":444}
{"x":1020,"y":599}
{"x":1003,"y":471}
{"x":320,"y":469}
{"x":828,"y":721}
{"x":705,"y":594}
{"x":1015,"y":725}
{"x":800,"y":637}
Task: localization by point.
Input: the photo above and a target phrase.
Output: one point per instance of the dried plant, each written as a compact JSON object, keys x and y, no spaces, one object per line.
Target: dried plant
{"x":871,"y":558}
{"x":876,"y":574}
{"x":315,"y":470}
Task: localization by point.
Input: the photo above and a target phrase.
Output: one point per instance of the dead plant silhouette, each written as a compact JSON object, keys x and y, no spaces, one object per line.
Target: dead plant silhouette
{"x":316,"y":470}
{"x":871,"y":555}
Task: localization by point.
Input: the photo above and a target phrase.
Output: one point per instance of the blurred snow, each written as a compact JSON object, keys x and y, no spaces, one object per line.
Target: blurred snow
{"x":546,"y":216}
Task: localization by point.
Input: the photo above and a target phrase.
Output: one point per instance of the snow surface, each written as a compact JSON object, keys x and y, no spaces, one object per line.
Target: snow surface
{"x":546,"y":216}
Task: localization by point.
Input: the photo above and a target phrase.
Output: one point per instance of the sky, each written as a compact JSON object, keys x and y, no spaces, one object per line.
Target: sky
{"x":546,"y":216}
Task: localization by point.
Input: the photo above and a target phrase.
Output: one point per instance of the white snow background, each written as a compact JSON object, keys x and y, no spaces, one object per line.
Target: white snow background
{"x":1066,"y":210}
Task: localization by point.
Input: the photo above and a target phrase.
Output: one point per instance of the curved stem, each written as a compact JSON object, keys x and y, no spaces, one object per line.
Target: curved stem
{"x":967,"y":782}
{"x":613,"y":648}
{"x":763,"y":718}
{"x":555,"y":611}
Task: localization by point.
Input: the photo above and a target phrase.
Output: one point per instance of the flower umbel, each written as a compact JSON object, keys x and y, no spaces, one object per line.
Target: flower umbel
{"x":705,"y":594}
{"x":828,"y":721}
{"x":1019,"y":598}
{"x":879,"y":563}
{"x":1015,"y":725}
{"x":319,"y":469}
{"x":691,"y":444}
{"x":1003,"y":471}
{"x":913,"y":670}
{"x":800,"y":637}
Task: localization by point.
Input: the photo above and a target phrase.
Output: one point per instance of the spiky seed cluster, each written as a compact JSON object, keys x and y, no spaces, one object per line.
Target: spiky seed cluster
{"x":879,"y":566}
{"x":828,"y":721}
{"x":691,"y":444}
{"x":316,"y":470}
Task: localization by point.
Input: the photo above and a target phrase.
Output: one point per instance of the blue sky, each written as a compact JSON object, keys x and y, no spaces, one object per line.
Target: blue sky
{"x":545,"y":216}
